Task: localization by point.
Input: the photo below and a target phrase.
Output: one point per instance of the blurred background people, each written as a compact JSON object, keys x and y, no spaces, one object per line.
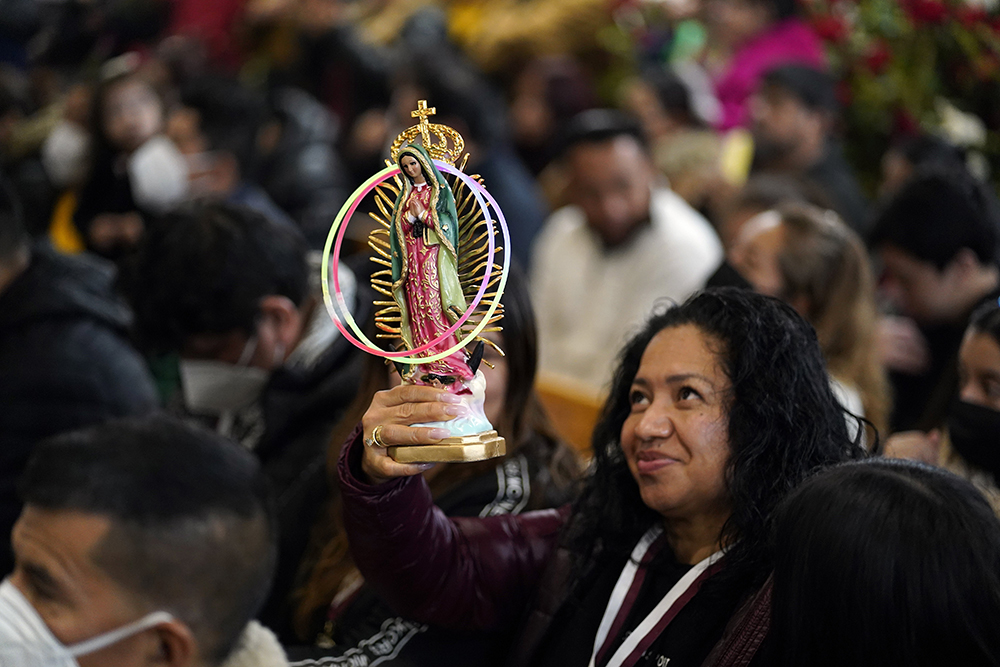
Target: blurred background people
{"x":134,"y":170}
{"x":968,"y":446}
{"x":229,"y":291}
{"x":216,"y":128}
{"x":140,"y":537}
{"x":601,"y":263}
{"x":809,"y":258}
{"x":909,"y":155}
{"x":937,"y":240}
{"x":546,"y":94}
{"x":746,"y":38}
{"x":763,"y":192}
{"x":794,"y":114}
{"x":64,"y":349}
{"x":683,"y":147}
{"x":973,"y":422}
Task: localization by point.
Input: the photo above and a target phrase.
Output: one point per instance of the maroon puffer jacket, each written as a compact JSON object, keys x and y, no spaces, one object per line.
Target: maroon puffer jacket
{"x":398,"y":535}
{"x":474,"y":573}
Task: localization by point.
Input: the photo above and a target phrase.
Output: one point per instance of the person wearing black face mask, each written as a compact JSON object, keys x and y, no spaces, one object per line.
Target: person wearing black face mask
{"x":974,"y":419}
{"x":972,"y":447}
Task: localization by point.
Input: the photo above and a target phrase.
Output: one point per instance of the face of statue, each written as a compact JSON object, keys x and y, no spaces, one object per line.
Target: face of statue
{"x":412,"y":168}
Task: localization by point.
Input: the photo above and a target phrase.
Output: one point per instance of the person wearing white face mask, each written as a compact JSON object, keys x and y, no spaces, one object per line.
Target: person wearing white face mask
{"x":28,"y":642}
{"x":232,"y":294}
{"x":143,"y":541}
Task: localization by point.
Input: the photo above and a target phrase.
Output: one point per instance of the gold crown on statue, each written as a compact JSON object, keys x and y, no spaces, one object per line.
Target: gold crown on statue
{"x":434,"y":138}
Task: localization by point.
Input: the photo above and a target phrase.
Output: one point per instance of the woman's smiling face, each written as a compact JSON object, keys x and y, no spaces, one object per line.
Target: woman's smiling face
{"x":676,"y":437}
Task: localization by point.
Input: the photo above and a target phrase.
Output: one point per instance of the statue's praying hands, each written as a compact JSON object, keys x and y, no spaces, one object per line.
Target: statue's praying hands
{"x":419,"y":211}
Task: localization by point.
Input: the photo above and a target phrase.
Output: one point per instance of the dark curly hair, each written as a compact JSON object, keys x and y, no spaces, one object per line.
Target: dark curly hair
{"x":784,"y":422}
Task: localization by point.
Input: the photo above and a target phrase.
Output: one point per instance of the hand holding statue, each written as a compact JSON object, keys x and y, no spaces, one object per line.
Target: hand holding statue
{"x":393,"y":413}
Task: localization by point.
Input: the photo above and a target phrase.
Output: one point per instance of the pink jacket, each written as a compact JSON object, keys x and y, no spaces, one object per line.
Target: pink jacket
{"x":788,"y":41}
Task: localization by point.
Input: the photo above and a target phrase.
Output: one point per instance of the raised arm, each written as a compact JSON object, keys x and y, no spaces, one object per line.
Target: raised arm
{"x":459,"y":573}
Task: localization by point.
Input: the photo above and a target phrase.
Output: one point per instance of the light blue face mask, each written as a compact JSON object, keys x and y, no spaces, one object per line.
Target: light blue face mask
{"x":25,"y":640}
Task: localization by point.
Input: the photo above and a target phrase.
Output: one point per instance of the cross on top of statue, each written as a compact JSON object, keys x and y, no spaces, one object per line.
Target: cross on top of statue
{"x":422,"y":112}
{"x":440,"y":141}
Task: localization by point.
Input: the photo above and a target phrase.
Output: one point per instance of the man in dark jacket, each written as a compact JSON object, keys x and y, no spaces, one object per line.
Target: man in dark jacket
{"x":261,"y":361}
{"x":795,"y":112}
{"x":65,"y":359}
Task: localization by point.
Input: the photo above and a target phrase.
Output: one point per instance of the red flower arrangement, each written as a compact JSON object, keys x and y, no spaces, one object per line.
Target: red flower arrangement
{"x":901,"y":58}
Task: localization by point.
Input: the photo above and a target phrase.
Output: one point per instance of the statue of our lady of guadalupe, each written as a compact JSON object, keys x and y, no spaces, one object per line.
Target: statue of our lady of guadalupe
{"x":423,"y":240}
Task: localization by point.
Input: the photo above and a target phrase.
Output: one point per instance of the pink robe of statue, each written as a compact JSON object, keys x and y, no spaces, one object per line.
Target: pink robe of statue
{"x":423,"y":295}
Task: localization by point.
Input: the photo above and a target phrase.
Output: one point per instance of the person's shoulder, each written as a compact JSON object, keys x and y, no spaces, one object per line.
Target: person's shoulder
{"x":684,"y":232}
{"x":564,"y":221}
{"x":564,"y":229}
{"x":65,"y":287}
{"x":670,"y":213}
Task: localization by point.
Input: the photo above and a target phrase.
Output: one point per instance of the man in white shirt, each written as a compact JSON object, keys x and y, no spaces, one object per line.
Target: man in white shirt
{"x":626,"y":241}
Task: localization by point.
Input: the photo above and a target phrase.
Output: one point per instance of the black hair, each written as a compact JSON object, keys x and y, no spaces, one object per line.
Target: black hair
{"x":13,"y":235}
{"x":782,"y":9}
{"x":924,"y":150}
{"x":229,"y":117}
{"x":597,"y":126}
{"x":986,"y":319}
{"x":939,"y":212}
{"x":885,"y":563}
{"x":205,"y":267}
{"x":672,"y":93}
{"x":192,"y":523}
{"x":814,"y":88}
{"x":784,"y":422}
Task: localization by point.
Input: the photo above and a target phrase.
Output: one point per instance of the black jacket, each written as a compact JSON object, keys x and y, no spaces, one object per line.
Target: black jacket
{"x":65,"y":362}
{"x":299,"y":410}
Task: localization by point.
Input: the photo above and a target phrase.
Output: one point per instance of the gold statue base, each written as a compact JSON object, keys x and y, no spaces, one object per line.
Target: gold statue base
{"x":461,"y":449}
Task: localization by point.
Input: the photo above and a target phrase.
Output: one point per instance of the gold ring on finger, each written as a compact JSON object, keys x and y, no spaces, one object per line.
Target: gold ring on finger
{"x":377,"y":436}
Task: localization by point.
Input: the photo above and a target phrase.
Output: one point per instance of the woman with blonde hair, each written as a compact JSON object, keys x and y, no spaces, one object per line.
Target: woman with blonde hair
{"x":809,"y":258}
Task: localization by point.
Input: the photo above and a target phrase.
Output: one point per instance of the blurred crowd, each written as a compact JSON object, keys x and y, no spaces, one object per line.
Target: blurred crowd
{"x":169,"y":173}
